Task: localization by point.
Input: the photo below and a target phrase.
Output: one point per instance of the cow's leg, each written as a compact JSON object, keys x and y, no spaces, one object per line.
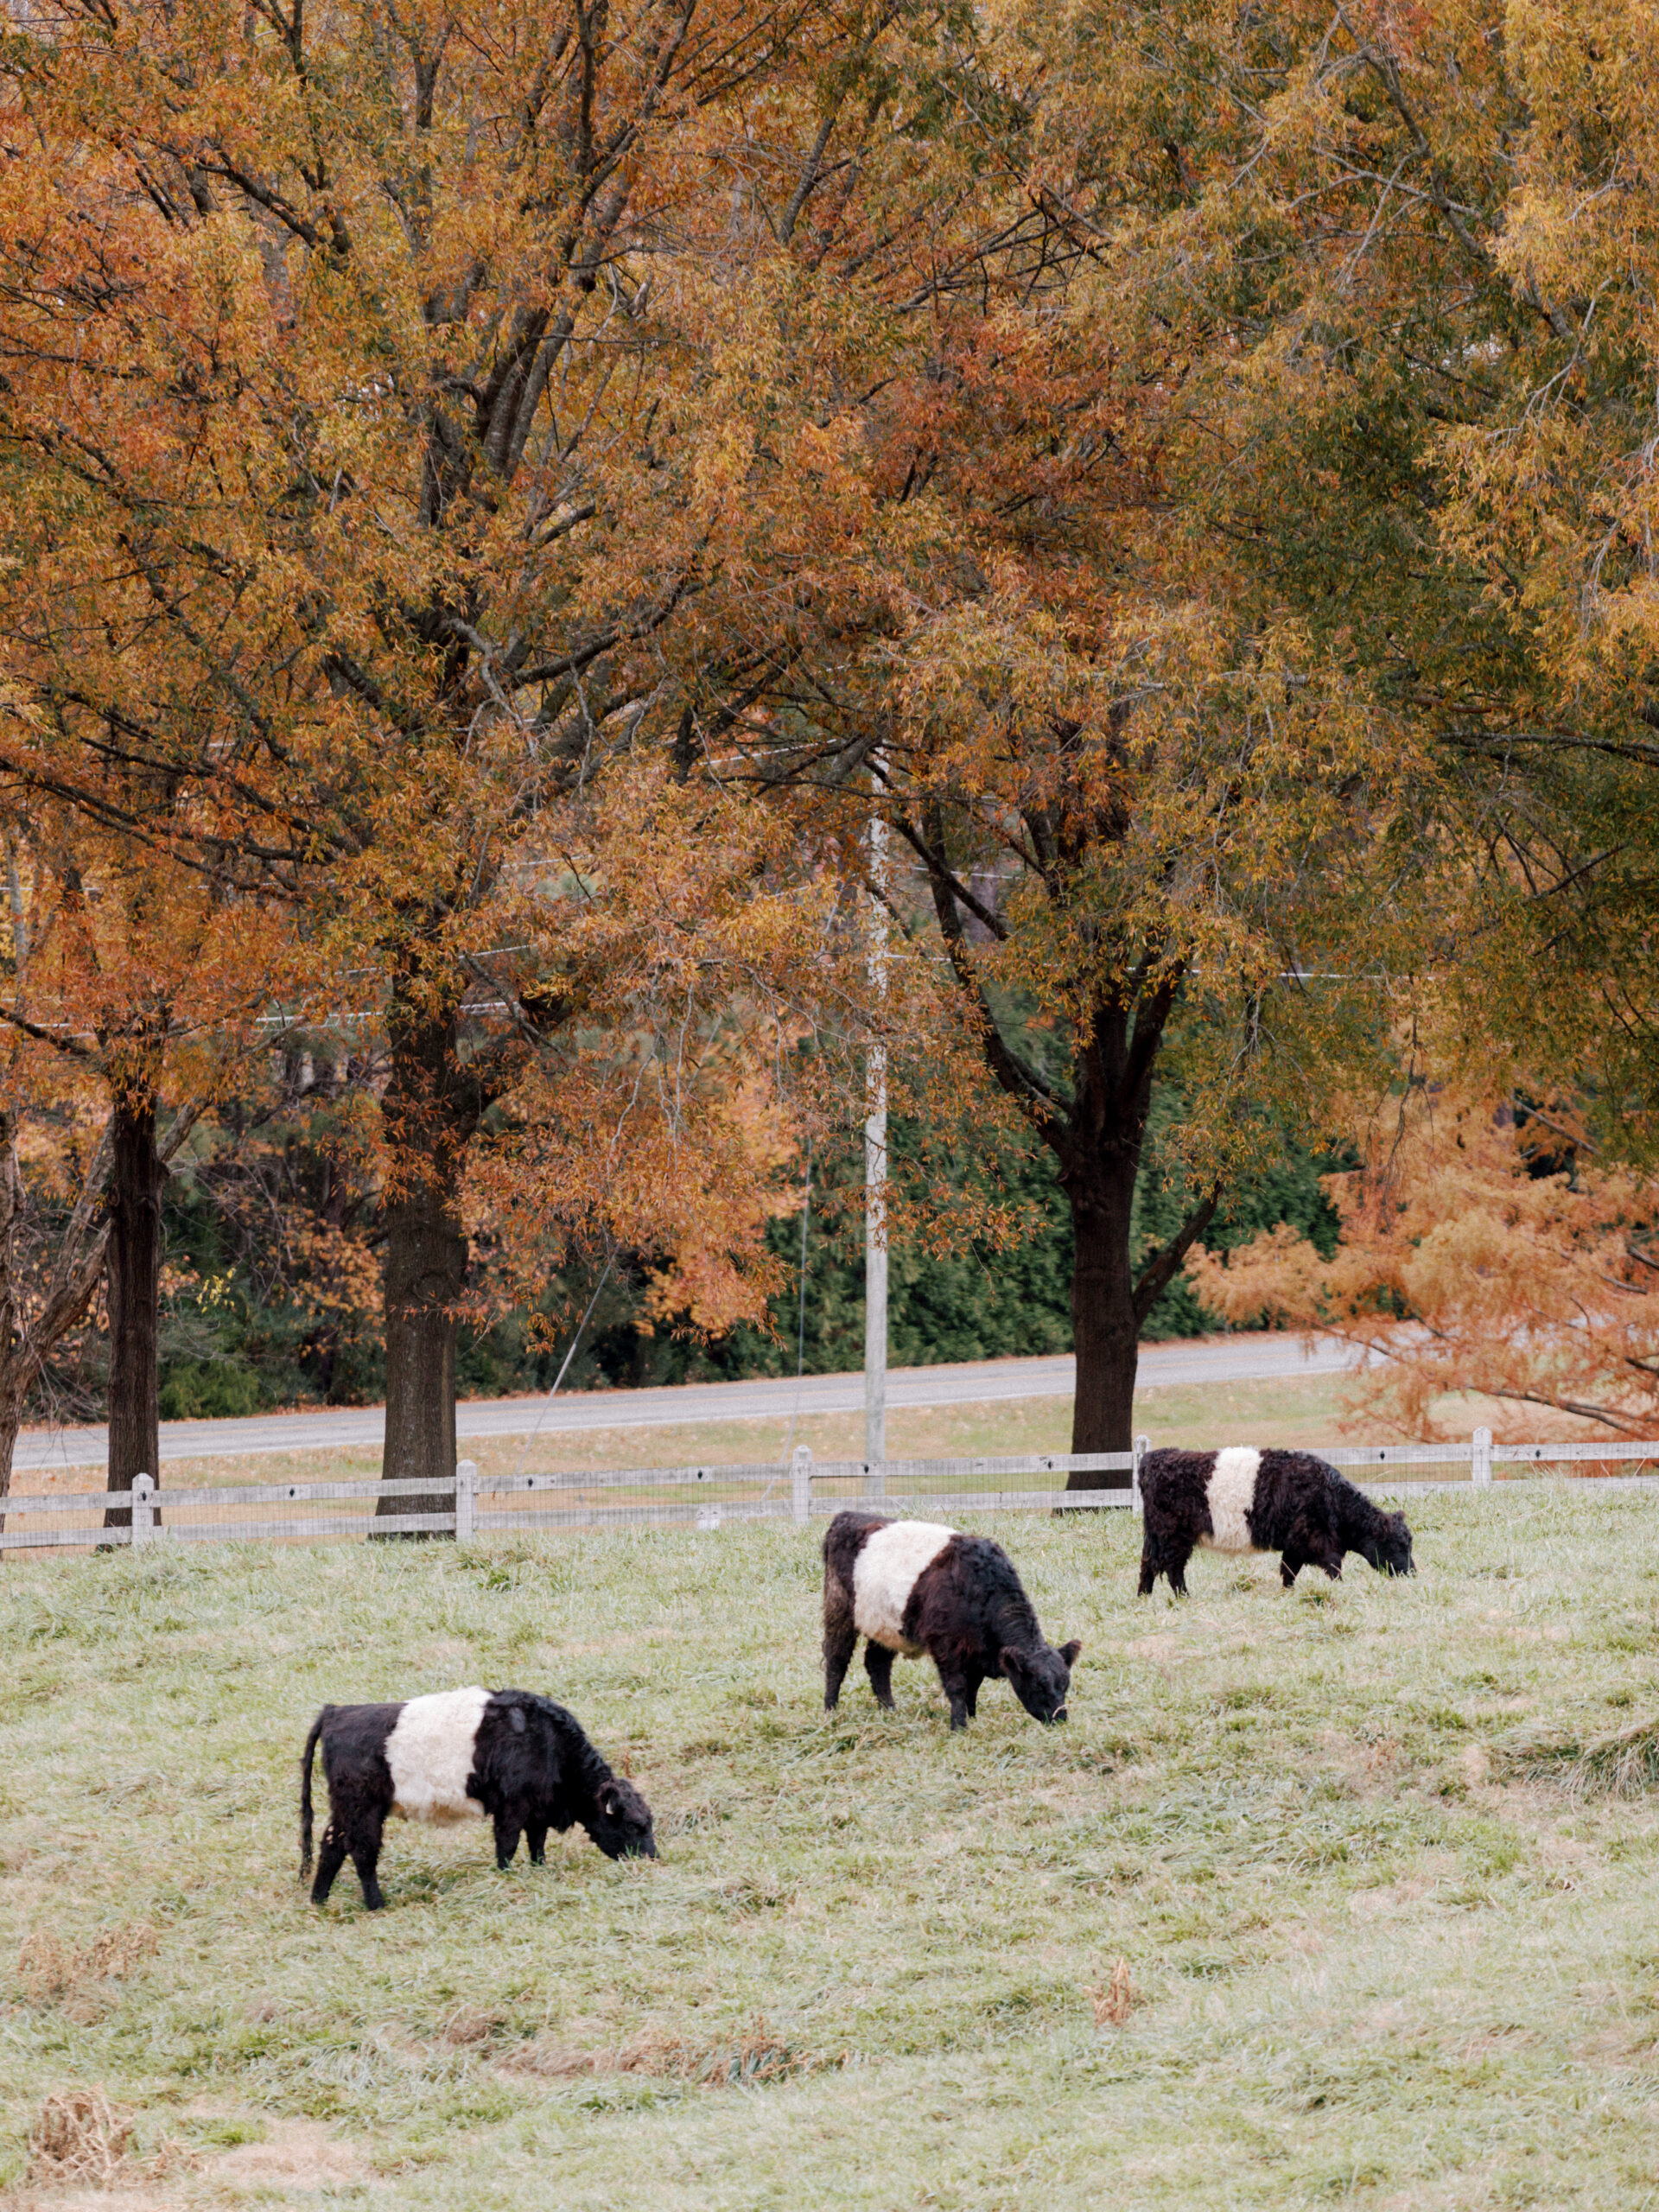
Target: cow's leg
{"x":331,"y":1857}
{"x":974,"y":1677}
{"x":878,"y":1665}
{"x":535,"y":1837}
{"x":1176,"y":1555}
{"x":840,"y":1639}
{"x":365,"y":1845}
{"x":508,"y":1824}
{"x":1291,"y":1565}
{"x":959,"y":1689}
{"x":1150,"y":1568}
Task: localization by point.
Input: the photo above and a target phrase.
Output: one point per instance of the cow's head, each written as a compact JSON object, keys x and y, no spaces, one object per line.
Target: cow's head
{"x":1042,"y":1677}
{"x":620,"y":1822}
{"x":1389,"y":1549}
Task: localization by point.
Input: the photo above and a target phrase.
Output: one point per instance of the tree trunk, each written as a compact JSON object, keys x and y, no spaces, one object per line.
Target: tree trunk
{"x":430,"y":1120}
{"x":1105,"y":1324}
{"x":133,"y":1207}
{"x":11,"y":1420}
{"x":425,"y":1272}
{"x":13,"y":1385}
{"x":27,"y":1338}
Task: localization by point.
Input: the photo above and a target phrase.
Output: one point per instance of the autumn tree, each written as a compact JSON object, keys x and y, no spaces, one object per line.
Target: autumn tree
{"x":1013,"y":424}
{"x":1141,"y":822}
{"x":1235,"y":580}
{"x":50,"y":1243}
{"x":130,"y":998}
{"x":1276,"y":569}
{"x":1485,"y":1248}
{"x":1404,"y":261}
{"x":367,"y":414}
{"x":47,"y":1282}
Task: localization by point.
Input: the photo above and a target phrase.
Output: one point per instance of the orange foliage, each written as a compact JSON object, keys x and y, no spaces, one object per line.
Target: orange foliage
{"x":385,"y":397}
{"x":650,"y":1117}
{"x":1480,"y":1251}
{"x":53,"y":1155}
{"x":122,"y":992}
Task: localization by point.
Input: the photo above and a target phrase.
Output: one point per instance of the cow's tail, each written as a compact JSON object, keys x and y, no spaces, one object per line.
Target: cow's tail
{"x":305,"y":1757}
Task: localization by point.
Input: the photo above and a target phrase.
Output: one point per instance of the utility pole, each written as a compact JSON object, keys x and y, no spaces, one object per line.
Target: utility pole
{"x":875,"y":1174}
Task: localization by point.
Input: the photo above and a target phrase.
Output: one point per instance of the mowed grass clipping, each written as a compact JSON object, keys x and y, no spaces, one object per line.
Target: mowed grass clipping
{"x":1293,"y":1913}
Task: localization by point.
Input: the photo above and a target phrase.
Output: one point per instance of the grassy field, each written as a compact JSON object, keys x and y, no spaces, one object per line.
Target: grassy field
{"x":1382,"y":1942}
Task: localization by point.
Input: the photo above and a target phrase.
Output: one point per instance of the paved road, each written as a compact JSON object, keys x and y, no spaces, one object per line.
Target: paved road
{"x":1220,"y":1359}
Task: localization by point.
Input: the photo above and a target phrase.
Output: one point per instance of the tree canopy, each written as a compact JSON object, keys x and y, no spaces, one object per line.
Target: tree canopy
{"x":497,"y":501}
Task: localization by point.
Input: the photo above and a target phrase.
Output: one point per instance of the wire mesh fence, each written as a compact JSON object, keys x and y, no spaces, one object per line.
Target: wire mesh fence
{"x":476,"y":1507}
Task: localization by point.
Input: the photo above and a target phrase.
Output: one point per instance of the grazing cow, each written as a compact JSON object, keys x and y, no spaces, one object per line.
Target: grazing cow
{"x":517,"y":1758}
{"x":915,"y":1586}
{"x":1243,"y":1501}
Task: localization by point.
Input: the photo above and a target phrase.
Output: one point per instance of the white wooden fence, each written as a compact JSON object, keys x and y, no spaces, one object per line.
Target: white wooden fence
{"x":478,"y":1507}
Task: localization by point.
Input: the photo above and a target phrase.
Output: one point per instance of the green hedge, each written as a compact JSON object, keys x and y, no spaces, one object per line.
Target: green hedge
{"x":234,"y":1353}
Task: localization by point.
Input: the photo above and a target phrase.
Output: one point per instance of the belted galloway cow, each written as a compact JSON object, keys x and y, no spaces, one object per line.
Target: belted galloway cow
{"x":517,"y":1759}
{"x":1242,"y":1500}
{"x":916,"y":1587}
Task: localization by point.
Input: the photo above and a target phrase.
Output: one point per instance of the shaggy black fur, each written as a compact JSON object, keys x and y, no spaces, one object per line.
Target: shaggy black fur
{"x":533,"y":1769}
{"x":967,"y":1610}
{"x":1302,"y":1508}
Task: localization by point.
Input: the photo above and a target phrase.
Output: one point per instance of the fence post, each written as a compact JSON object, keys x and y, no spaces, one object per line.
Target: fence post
{"x":1480,"y":1465}
{"x":465,"y":1501}
{"x":1143,"y":1446}
{"x":143,"y":1511}
{"x":800,"y":1485}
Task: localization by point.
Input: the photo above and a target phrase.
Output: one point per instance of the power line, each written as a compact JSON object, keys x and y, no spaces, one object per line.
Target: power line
{"x":565,"y":1368}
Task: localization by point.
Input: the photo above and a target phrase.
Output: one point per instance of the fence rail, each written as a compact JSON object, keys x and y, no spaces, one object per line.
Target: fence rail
{"x":474,"y":1506}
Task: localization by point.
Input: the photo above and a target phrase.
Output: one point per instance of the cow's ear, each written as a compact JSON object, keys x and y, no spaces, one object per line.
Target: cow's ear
{"x":1068,"y":1652}
{"x":610,"y":1800}
{"x":1013,"y":1662}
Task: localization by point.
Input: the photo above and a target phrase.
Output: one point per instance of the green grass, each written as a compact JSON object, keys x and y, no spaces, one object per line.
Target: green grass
{"x":1382,"y":1952}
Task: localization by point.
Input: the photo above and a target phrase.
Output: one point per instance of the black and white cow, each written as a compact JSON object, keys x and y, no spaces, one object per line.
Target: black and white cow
{"x":1245,"y":1501}
{"x":459,"y":1755}
{"x":915,"y":1586}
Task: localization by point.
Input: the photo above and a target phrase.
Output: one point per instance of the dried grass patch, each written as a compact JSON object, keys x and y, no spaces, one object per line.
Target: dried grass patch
{"x":1624,"y":1764}
{"x":78,"y":2136}
{"x":754,"y":2055}
{"x":1115,"y":1999}
{"x":471,"y":2023}
{"x":53,"y":1971}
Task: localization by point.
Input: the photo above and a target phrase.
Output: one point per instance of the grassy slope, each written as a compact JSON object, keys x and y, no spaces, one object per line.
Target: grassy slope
{"x":1370,"y":1967}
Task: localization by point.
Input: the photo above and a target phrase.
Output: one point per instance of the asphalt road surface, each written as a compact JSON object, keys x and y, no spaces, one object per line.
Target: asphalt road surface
{"x":1219,"y":1359}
